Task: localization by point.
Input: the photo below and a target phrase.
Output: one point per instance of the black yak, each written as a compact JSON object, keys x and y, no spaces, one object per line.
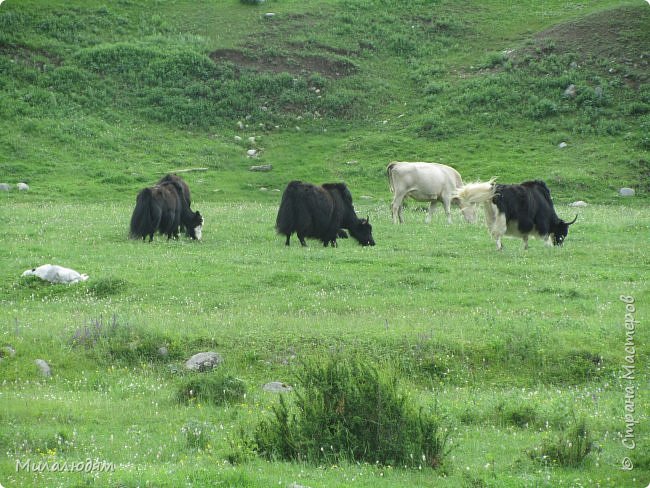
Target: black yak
{"x":517,"y":210}
{"x":163,"y":208}
{"x":320,"y":212}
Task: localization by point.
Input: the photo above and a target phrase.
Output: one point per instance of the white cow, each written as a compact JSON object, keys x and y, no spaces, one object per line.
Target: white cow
{"x":56,"y":274}
{"x":426,"y":182}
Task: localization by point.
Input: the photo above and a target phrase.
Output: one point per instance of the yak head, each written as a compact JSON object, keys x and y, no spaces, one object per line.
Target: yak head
{"x":195,"y":227}
{"x":560,"y":231}
{"x":362,"y":232}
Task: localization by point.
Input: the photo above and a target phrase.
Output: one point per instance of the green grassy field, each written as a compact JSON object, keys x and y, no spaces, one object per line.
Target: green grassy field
{"x":513,"y":349}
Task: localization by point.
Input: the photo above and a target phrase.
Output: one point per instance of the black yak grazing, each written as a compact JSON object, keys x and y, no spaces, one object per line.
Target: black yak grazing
{"x":163,"y":208}
{"x":320,"y":212}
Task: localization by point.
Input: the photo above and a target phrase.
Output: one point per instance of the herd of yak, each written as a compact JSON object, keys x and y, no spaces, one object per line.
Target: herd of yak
{"x":326,"y":212}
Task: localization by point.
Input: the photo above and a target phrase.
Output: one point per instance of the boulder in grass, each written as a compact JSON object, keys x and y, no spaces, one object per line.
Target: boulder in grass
{"x":204,"y":361}
{"x":43,"y":367}
{"x":277,"y":387}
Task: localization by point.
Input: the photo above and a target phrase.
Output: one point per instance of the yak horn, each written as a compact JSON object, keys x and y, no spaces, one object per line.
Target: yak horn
{"x":573,"y":221}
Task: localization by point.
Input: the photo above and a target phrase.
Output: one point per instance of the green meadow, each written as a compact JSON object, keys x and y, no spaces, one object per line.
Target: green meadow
{"x":521,"y":355}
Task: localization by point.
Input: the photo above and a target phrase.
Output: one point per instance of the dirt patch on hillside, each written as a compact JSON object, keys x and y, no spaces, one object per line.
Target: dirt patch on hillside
{"x":619,"y":36}
{"x":36,"y":58}
{"x":295,"y":64}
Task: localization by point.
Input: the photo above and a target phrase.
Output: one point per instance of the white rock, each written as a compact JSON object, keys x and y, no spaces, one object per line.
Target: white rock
{"x":578,"y":204}
{"x":251,"y":153}
{"x":626,"y":192}
{"x":56,"y":274}
{"x":23,"y":186}
{"x":277,"y":387}
{"x":237,"y":138}
{"x":5,"y":187}
{"x":43,"y":367}
{"x":562,"y":145}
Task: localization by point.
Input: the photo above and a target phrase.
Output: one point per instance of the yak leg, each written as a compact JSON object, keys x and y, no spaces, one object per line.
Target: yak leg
{"x":525,"y":238}
{"x":396,"y":208}
{"x":286,"y":243}
{"x":301,"y":238}
{"x":446,"y":202}
{"x":498,"y":229}
{"x":432,"y":207}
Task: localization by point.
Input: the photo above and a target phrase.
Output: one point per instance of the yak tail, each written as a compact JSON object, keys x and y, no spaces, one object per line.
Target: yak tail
{"x":143,"y":221}
{"x":473,"y":193}
{"x":285,"y":221}
{"x":389,"y":173}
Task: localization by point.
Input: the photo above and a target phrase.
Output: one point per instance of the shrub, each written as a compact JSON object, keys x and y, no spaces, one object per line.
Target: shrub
{"x":215,"y":388}
{"x":116,"y":340}
{"x":569,"y":449}
{"x":104,"y":287}
{"x":347,"y":409}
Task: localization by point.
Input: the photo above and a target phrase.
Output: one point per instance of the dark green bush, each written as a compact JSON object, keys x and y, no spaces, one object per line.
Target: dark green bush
{"x":347,"y":409}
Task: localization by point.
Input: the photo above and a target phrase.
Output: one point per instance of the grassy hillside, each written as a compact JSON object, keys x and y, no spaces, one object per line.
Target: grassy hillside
{"x":517,"y":355}
{"x":110,"y":96}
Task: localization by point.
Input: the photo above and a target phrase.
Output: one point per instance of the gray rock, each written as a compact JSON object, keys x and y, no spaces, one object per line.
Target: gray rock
{"x":163,"y":352}
{"x":22,"y":186}
{"x":5,"y":187}
{"x":296,"y":485}
{"x":562,"y":145}
{"x":277,"y":387}
{"x":252,"y":153}
{"x":598,"y":91}
{"x":269,"y":15}
{"x":570,"y":91}
{"x":626,"y":192}
{"x":43,"y":367}
{"x":262,"y":168}
{"x":204,"y":361}
{"x":578,"y":204}
{"x":7,"y":351}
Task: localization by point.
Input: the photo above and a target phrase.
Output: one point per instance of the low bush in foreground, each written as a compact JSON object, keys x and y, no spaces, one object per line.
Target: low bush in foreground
{"x":346,"y":409}
{"x":569,"y":449}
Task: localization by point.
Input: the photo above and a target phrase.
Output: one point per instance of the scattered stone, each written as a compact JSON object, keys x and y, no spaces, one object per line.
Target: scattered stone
{"x":22,"y":186}
{"x":43,"y":367}
{"x":204,"y":361}
{"x":251,"y":139}
{"x":163,"y":352}
{"x":365,"y":197}
{"x":269,"y":15}
{"x":262,"y":168}
{"x":562,"y":145}
{"x":7,"y":352}
{"x":277,"y":387}
{"x":573,"y":65}
{"x":5,"y":187}
{"x":570,"y":91}
{"x":578,"y":204}
{"x":598,"y":91}
{"x":237,"y":138}
{"x":296,"y":485}
{"x":626,"y":192}
{"x":252,"y":153}
{"x":352,"y":163}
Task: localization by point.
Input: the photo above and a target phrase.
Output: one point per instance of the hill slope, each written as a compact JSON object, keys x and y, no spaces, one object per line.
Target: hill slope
{"x":97,"y":101}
